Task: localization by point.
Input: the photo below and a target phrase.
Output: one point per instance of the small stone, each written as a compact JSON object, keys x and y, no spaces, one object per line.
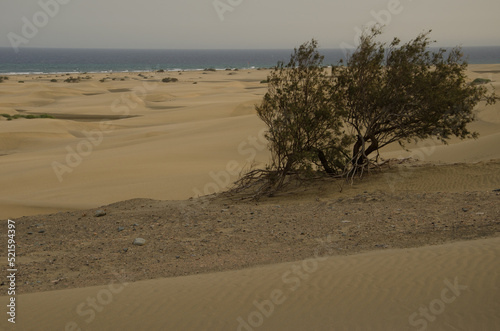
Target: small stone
{"x":30,"y":232}
{"x":125,"y":250}
{"x":139,"y":242}
{"x":41,"y":231}
{"x":465,"y":210}
{"x":121,"y":228}
{"x":346,"y":221}
{"x":99,"y":213}
{"x":177,"y":257}
{"x":480,"y":213}
{"x":497,"y":190}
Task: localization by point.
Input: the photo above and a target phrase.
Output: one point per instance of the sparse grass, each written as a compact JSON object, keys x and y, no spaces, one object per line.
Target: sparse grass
{"x":29,"y":116}
{"x":72,"y":80}
{"x":169,"y":80}
{"x":481,"y":81}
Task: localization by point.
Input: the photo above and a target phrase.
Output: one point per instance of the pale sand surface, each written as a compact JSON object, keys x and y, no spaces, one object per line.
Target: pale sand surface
{"x":370,"y":291}
{"x":181,"y":141}
{"x":183,"y":132}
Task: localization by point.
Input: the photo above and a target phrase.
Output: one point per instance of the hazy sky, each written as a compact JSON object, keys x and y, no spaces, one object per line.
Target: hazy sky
{"x":179,"y":24}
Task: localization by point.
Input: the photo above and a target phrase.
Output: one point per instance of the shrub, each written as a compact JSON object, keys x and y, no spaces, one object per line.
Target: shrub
{"x":53,"y":80}
{"x":72,"y":80}
{"x":169,"y":80}
{"x":481,"y":81}
{"x":383,"y":94}
{"x":29,"y":116}
{"x":401,"y":93}
{"x":305,"y":127}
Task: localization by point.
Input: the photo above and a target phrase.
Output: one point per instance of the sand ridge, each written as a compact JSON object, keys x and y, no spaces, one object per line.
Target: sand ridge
{"x":215,"y":264}
{"x":161,"y":140}
{"x":453,"y":286}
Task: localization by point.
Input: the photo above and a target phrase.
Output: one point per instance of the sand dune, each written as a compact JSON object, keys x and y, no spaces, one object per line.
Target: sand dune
{"x":183,"y":135}
{"x":137,"y":138}
{"x":448,"y":287}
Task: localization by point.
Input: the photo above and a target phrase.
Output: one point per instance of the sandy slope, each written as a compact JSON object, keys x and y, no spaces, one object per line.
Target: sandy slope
{"x":180,"y":144}
{"x":182,"y":133}
{"x":140,"y":138}
{"x":449,"y":287}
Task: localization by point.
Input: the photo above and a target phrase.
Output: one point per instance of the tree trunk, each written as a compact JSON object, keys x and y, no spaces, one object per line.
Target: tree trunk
{"x":324,"y":163}
{"x":359,"y":153}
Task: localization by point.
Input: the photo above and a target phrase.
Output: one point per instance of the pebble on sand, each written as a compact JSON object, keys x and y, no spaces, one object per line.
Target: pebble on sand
{"x":99,"y":213}
{"x":139,"y":242}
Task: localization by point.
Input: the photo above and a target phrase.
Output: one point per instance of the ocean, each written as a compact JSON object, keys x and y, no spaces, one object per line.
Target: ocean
{"x":38,"y":60}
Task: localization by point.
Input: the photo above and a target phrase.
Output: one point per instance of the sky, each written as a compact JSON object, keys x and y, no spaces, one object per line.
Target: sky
{"x":241,"y":24}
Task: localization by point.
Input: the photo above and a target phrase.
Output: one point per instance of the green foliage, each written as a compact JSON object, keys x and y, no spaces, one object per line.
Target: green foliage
{"x":72,"y":80}
{"x":169,"y":80}
{"x":53,"y":80}
{"x":381,"y":95}
{"x":299,"y":110}
{"x":481,"y":81}
{"x":398,"y":93}
{"x":29,"y":116}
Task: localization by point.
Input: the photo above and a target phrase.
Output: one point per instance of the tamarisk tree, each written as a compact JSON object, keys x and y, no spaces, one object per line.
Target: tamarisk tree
{"x":399,"y":93}
{"x":305,"y":128}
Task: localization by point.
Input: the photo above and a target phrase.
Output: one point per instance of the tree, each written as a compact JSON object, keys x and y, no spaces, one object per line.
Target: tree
{"x":305,"y":128}
{"x":383,"y":94}
{"x":403,"y":93}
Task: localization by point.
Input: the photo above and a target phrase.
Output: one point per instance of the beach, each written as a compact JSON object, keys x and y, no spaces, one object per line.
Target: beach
{"x":412,"y":246}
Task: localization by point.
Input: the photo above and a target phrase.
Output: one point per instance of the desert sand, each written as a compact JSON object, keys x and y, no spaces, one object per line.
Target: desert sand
{"x":173,"y":141}
{"x":416,"y":246}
